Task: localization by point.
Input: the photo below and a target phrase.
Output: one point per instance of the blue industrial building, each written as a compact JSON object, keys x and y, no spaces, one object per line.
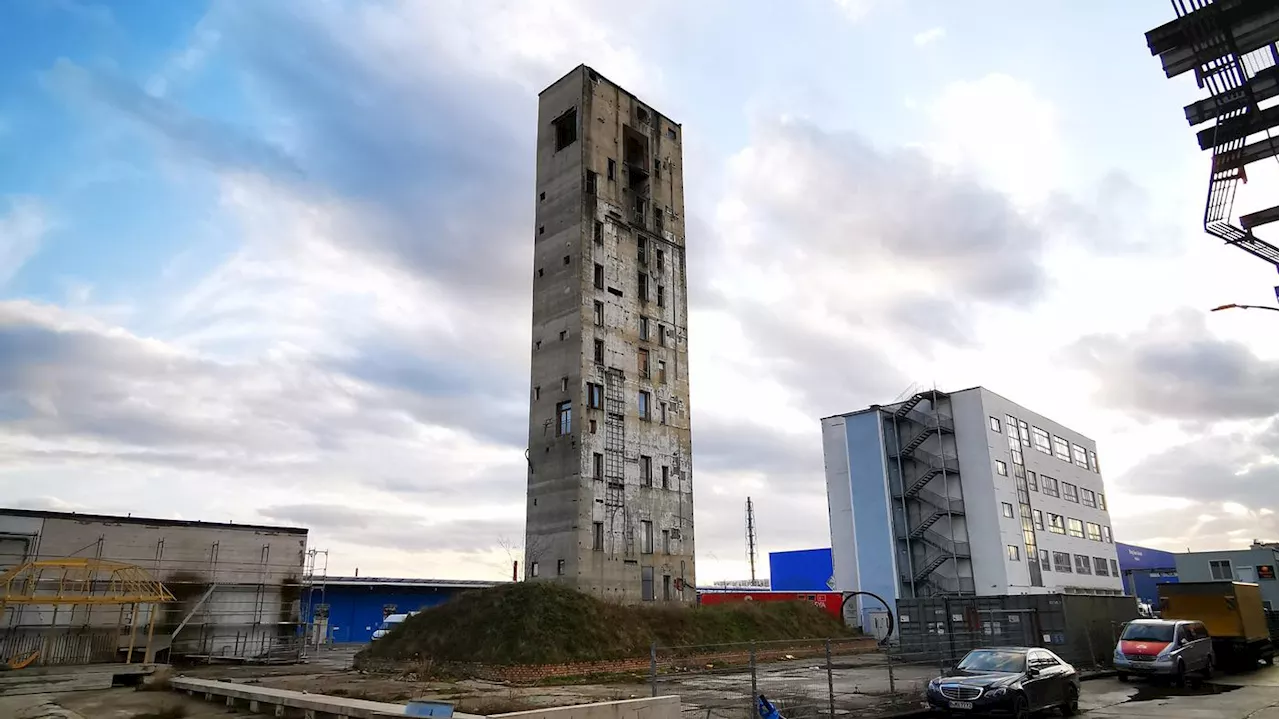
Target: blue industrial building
{"x":802,"y":570}
{"x":349,"y":609}
{"x":1142,"y":569}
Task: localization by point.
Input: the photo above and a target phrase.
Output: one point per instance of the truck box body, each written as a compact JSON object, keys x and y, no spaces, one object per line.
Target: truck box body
{"x":1227,"y":609}
{"x":1233,"y":614}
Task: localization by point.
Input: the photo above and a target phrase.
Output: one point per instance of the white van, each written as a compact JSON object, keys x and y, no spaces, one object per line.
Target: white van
{"x":390,"y":623}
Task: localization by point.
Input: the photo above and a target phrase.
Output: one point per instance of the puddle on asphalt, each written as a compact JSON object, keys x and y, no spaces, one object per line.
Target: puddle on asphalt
{"x":1151,"y":691}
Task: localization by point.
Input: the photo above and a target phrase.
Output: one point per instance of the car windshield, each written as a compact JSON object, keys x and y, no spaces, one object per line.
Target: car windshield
{"x":1148,"y":633}
{"x":993,"y":661}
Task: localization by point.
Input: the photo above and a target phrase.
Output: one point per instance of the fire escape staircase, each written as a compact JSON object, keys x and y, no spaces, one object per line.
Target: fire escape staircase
{"x":1218,"y":39}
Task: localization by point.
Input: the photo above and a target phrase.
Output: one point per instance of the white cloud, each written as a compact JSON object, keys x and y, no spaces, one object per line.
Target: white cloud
{"x":856,"y":10}
{"x":929,"y":36}
{"x":1000,"y":127}
{"x":23,"y":226}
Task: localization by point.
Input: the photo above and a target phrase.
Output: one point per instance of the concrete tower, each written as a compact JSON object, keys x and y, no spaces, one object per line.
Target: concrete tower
{"x":610,"y":505}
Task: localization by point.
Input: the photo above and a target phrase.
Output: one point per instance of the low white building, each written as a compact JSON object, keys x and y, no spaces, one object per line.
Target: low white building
{"x":237,"y":588}
{"x":964,"y":493}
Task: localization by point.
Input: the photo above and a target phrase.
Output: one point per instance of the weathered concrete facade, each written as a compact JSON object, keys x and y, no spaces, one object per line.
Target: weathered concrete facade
{"x":237,"y":587}
{"x":610,"y":505}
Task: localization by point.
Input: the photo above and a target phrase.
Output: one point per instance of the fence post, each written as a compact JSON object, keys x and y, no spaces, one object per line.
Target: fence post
{"x":888,"y":655}
{"x":831,"y":687}
{"x":754,"y":693}
{"x":653,"y":667}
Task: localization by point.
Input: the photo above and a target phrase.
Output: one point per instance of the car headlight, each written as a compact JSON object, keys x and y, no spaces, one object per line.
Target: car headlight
{"x":935,"y":681}
{"x":997,"y":692}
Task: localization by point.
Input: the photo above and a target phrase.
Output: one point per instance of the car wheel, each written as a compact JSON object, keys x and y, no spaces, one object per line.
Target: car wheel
{"x":1180,"y":679}
{"x":1071,"y":706}
{"x":1021,"y":709}
{"x":1208,"y":668}
{"x":1122,"y":677}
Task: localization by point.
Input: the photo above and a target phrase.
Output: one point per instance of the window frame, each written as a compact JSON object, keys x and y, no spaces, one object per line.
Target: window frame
{"x":1002,"y":468}
{"x":1101,"y":562}
{"x":1058,"y":527}
{"x":597,"y":536}
{"x":1075,"y":528}
{"x":646,"y":536}
{"x":646,"y":470}
{"x":1088,"y":498}
{"x":994,"y":424}
{"x":564,"y":418}
{"x":1006,"y":510}
{"x":1012,"y":553}
{"x":1037,"y":519}
{"x":1061,"y":448}
{"x":1215,"y":564}
{"x":1078,"y":456}
{"x":644,"y":405}
{"x":1062,"y":566}
{"x":595,"y":395}
{"x":1070,"y":492}
{"x":565,"y":129}
{"x":1038,"y":434}
{"x":1049,"y":485}
{"x":1033,"y":484}
{"x":1093,"y":531}
{"x":1085,"y":567}
{"x":1045,"y":564}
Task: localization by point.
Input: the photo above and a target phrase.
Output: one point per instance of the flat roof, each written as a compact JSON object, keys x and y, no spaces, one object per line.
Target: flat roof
{"x":150,"y":521}
{"x":598,"y":74}
{"x":404,"y":582}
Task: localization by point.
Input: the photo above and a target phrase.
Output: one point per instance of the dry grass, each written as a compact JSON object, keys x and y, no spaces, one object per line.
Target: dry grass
{"x":547,"y":623}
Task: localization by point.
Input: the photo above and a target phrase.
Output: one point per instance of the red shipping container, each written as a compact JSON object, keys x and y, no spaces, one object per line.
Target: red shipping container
{"x":828,"y":601}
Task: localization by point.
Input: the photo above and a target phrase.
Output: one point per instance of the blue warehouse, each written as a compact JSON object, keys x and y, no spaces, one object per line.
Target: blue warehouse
{"x":349,"y":609}
{"x":802,"y":570}
{"x":1143,"y":569}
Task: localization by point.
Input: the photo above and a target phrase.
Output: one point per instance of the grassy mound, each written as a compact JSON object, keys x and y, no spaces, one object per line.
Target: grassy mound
{"x":547,"y":623}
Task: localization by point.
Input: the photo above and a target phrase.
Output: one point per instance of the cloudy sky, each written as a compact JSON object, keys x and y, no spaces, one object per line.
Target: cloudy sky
{"x":271,"y":261}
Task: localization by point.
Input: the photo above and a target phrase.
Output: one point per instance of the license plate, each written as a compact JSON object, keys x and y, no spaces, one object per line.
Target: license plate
{"x":960,"y":705}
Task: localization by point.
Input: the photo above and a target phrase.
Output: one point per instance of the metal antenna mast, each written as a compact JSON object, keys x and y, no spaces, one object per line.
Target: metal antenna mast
{"x":751,"y":540}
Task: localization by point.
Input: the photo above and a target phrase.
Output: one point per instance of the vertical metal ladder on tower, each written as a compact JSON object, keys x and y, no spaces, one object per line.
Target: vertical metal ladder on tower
{"x":615,"y":450}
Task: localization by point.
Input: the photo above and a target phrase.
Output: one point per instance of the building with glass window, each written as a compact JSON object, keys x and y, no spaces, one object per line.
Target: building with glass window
{"x":965,"y":493}
{"x":1255,"y":564}
{"x":610,"y":491}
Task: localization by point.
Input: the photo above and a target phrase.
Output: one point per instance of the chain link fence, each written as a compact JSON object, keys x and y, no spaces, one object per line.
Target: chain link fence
{"x":857,"y":676}
{"x":802,"y":679}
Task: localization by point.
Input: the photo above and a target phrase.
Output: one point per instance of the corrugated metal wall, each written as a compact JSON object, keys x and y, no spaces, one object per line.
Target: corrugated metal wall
{"x":354,"y":612}
{"x":1082,"y":629}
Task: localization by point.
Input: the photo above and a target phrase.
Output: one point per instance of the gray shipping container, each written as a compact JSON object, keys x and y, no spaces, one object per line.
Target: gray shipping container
{"x":1080,"y":628}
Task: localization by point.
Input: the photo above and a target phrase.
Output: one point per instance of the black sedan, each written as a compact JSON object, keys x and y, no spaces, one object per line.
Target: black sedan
{"x":1007,"y":681}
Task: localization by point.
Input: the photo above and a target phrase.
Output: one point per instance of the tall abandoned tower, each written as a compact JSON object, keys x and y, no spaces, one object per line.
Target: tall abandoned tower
{"x":610,"y":505}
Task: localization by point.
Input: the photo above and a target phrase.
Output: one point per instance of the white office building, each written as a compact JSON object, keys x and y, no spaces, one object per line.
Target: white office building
{"x":964,"y":493}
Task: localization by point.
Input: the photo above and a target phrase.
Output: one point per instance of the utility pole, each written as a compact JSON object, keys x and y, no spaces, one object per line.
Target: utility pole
{"x":751,"y":540}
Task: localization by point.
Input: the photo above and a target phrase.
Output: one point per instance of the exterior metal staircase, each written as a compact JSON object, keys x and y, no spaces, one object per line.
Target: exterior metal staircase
{"x":929,"y":520}
{"x":931,"y":565}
